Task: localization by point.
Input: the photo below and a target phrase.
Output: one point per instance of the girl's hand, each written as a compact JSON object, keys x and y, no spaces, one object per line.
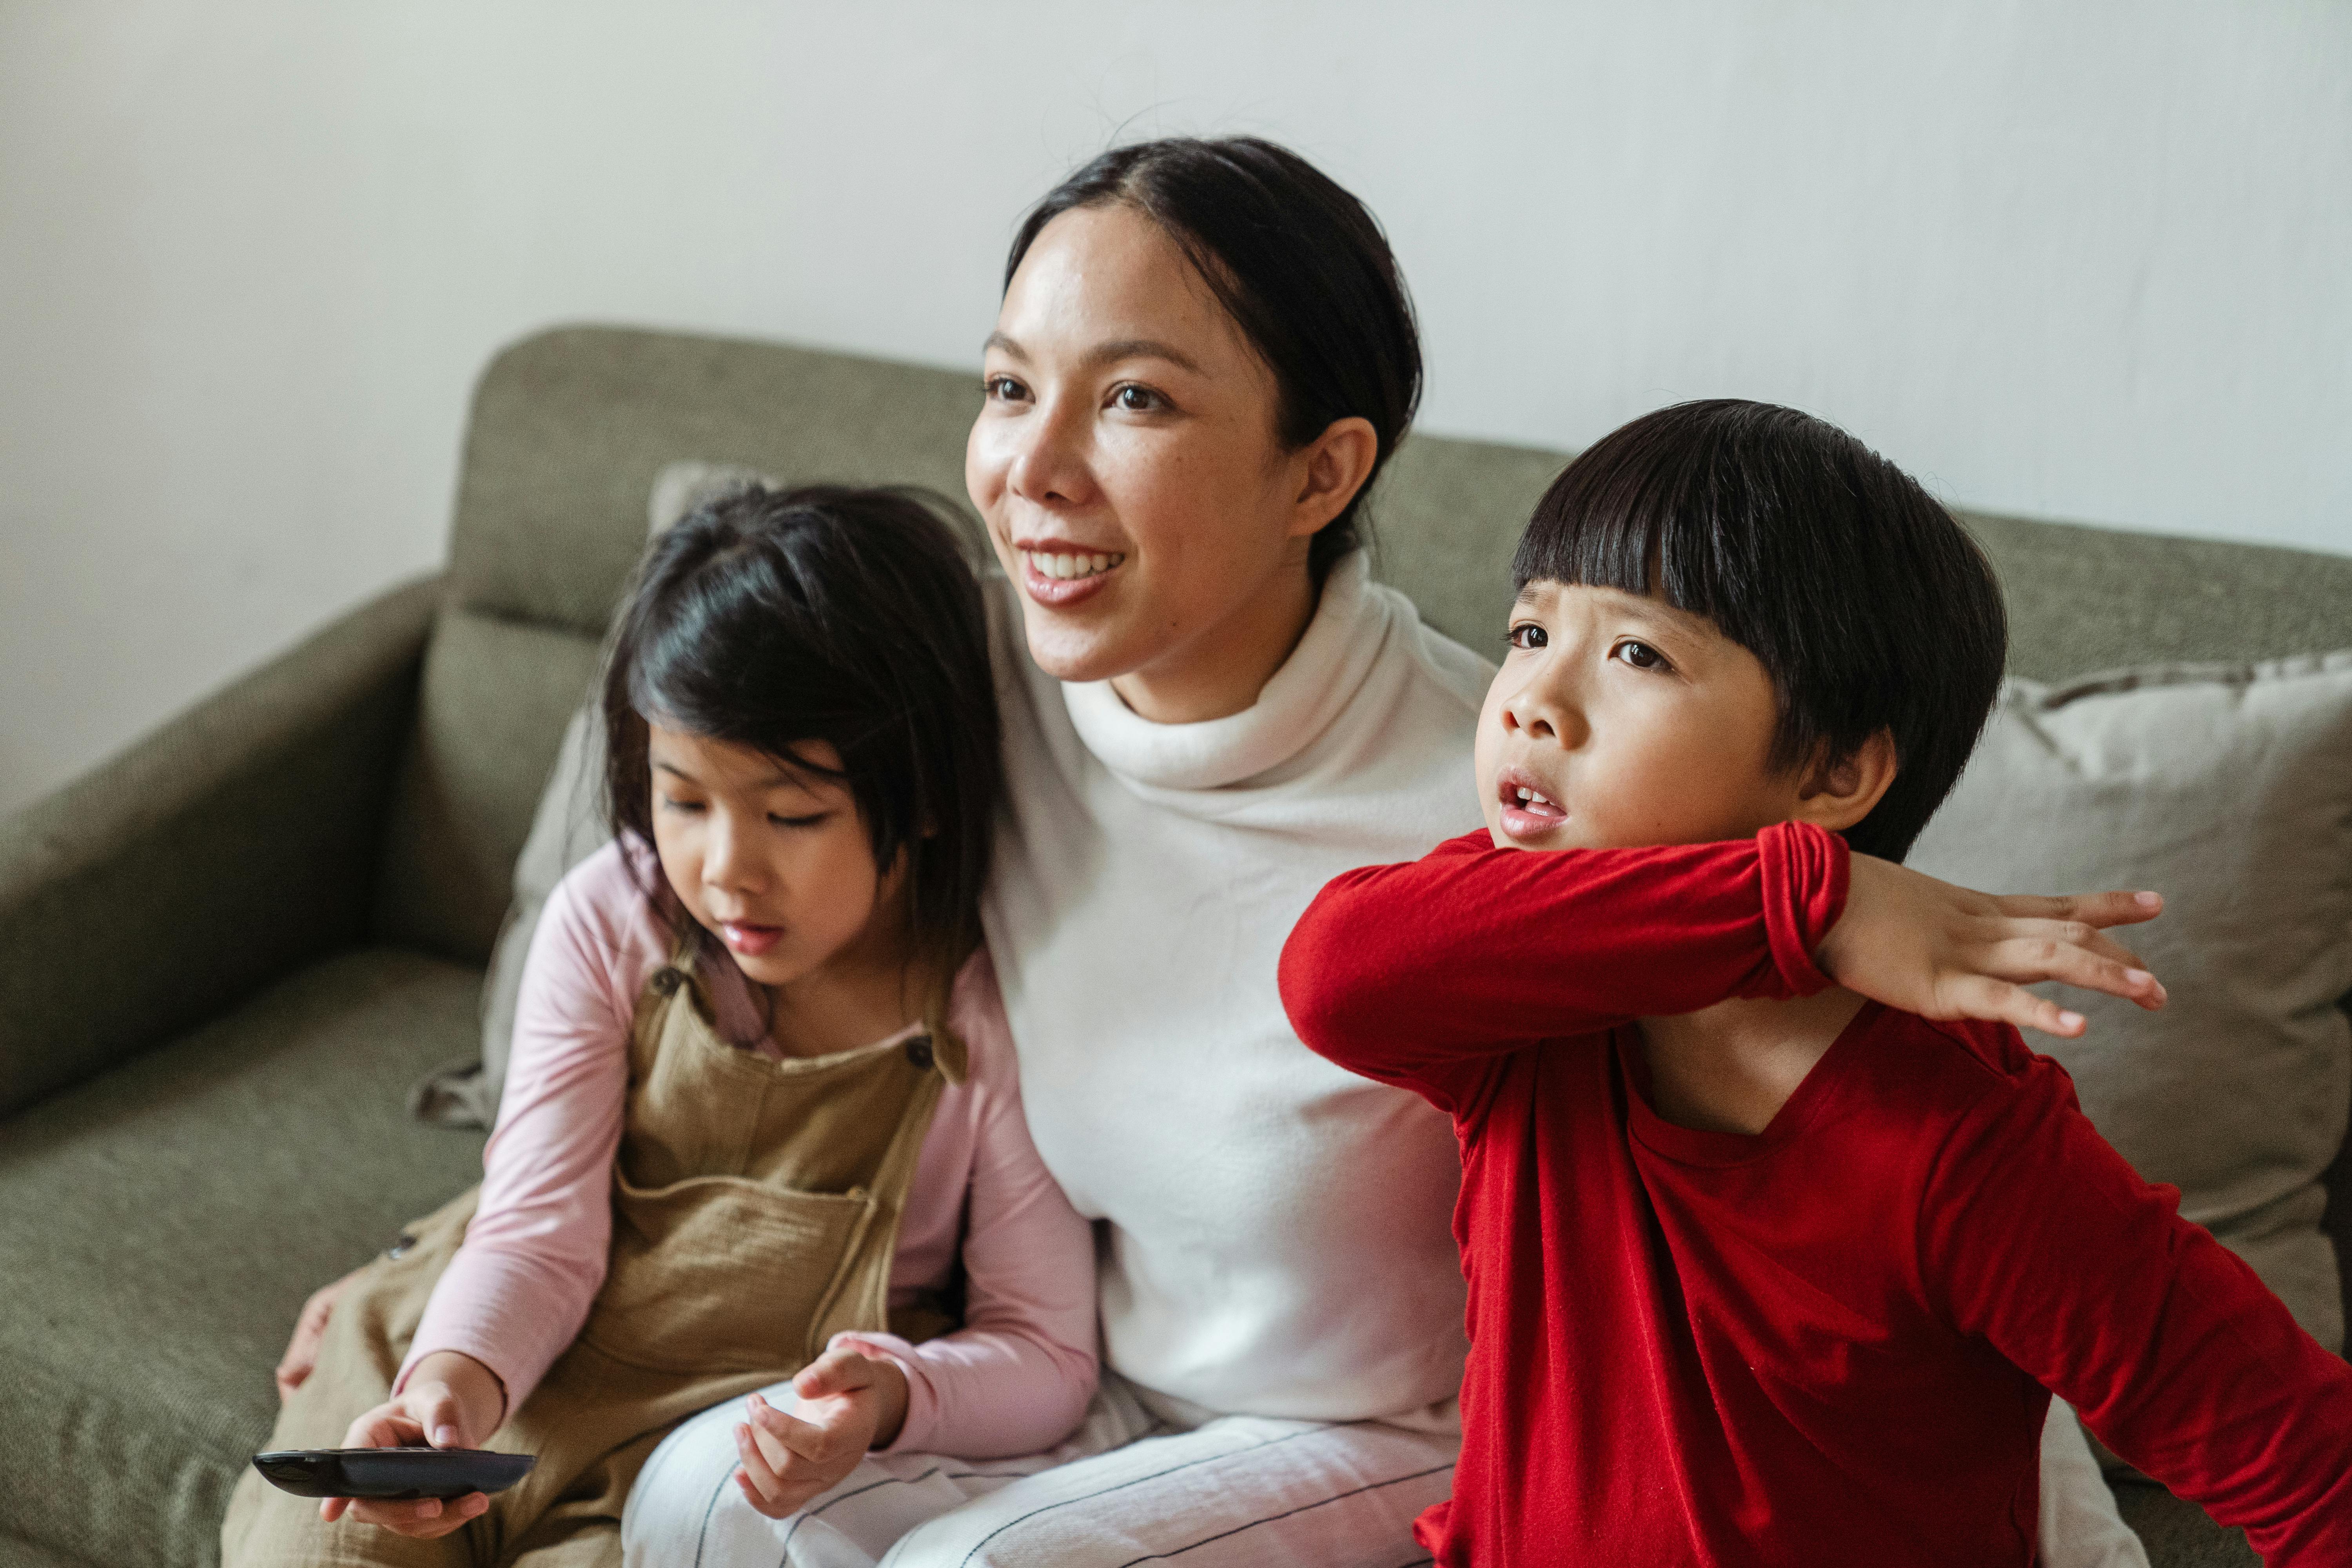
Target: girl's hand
{"x":451,"y":1401}
{"x":852,"y":1402}
{"x":302,"y":1350}
{"x":1942,"y":952}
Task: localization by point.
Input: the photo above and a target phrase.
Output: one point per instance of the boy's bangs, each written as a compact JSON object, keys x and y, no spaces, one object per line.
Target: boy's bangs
{"x":1619,"y":519}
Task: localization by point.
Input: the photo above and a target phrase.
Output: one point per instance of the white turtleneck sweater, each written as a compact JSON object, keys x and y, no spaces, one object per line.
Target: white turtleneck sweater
{"x":1279,"y":1238}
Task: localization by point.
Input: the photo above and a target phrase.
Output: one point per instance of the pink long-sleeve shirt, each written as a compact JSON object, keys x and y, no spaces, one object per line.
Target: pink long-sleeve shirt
{"x":1014,"y":1379}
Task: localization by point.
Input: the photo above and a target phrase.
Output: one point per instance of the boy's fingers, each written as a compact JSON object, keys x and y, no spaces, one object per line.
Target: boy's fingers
{"x":1982,"y":996}
{"x":2026,"y":960}
{"x":2109,"y":909}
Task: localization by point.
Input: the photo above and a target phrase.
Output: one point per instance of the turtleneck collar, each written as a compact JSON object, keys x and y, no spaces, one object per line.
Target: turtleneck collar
{"x":1297,"y":706}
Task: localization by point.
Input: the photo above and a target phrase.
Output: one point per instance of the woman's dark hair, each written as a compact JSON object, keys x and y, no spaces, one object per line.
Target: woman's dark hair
{"x":1302,"y":267}
{"x":1866,"y":602}
{"x":774,"y":618}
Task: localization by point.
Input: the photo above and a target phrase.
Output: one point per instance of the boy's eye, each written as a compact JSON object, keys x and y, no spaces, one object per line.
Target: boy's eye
{"x":1137,"y":399}
{"x":1528,"y":635}
{"x":1640,"y":655}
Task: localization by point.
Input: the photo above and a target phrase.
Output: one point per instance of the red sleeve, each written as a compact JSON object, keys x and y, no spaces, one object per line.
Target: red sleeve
{"x":1413,"y":974}
{"x":2045,"y":1242}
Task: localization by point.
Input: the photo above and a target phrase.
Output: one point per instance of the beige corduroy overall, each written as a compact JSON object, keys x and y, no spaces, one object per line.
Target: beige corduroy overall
{"x":755,"y":1214}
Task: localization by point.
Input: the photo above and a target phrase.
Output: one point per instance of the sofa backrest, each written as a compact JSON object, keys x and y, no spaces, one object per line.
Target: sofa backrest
{"x":569,"y":428}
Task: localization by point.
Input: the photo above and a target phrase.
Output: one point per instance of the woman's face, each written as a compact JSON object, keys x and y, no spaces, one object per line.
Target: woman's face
{"x":1128,"y":466}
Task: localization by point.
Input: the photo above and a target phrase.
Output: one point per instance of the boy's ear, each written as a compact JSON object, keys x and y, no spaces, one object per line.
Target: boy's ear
{"x":1840,"y":792}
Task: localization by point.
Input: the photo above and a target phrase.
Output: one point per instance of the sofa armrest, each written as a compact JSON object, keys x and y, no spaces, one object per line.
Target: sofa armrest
{"x":227,"y":850}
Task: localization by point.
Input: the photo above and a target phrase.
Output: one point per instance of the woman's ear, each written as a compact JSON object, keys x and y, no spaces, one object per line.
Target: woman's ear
{"x":1330,"y":470}
{"x":1840,"y":792}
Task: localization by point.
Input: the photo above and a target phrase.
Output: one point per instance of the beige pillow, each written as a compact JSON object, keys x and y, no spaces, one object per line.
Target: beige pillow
{"x":2229,"y":789}
{"x":568,"y":827}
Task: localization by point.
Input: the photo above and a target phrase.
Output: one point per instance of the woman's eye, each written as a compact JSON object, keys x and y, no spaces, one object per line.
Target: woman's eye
{"x":671,"y":803}
{"x":1527,"y":635}
{"x":1137,"y":399}
{"x":1003,"y":388}
{"x":1640,"y":655}
{"x":815,"y":820}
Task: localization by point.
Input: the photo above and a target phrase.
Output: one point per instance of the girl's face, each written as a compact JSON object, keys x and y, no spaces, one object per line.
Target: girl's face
{"x":1129,"y":465}
{"x":773,"y":862}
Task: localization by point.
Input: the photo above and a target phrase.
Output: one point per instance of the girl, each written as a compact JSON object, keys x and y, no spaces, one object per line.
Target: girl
{"x":762,"y":1103}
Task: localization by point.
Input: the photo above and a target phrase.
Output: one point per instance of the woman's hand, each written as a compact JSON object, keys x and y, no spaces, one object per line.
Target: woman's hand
{"x":854,"y":1402}
{"x":451,"y":1401}
{"x":1942,"y":952}
{"x":302,"y":1350}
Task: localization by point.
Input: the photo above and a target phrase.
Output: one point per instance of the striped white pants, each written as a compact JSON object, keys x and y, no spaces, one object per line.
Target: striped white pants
{"x":1128,"y":1489}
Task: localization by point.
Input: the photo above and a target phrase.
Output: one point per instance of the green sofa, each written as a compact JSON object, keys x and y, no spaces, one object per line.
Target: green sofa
{"x":227,"y":956}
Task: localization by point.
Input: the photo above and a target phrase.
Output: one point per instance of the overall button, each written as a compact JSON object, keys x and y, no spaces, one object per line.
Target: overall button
{"x":918,"y":1052}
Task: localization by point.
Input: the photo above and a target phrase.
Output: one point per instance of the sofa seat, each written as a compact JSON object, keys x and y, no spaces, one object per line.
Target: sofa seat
{"x":160,"y":1226}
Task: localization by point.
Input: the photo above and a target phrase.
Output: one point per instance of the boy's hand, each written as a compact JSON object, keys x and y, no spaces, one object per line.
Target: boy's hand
{"x":1942,"y":952}
{"x":852,"y":1402}
{"x":451,"y":1401}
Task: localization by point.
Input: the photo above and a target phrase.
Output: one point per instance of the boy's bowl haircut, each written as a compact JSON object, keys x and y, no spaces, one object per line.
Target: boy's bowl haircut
{"x":1867,"y":604}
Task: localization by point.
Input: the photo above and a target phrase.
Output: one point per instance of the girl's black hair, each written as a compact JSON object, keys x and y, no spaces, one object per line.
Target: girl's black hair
{"x":773,"y":618}
{"x":1868,"y":604}
{"x":1302,"y":267}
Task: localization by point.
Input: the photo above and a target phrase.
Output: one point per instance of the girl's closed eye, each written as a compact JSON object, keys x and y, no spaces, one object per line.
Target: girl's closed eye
{"x":814,"y":820}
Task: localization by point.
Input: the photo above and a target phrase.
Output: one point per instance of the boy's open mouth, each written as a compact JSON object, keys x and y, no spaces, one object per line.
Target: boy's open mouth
{"x":1528,"y":811}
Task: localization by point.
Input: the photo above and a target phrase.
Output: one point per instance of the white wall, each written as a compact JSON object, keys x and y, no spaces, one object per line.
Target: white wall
{"x":2085,"y":259}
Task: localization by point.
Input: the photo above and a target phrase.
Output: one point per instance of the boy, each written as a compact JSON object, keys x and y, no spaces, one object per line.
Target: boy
{"x":1761,"y":1271}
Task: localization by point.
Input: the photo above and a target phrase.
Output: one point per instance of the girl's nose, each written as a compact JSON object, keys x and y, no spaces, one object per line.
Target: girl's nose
{"x":727,"y":861}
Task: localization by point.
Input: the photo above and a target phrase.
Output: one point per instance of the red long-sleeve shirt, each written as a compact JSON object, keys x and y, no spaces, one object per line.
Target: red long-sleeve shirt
{"x":1829,"y":1342}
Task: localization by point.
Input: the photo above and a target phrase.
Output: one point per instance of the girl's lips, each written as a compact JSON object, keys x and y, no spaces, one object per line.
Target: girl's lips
{"x":749,"y":940}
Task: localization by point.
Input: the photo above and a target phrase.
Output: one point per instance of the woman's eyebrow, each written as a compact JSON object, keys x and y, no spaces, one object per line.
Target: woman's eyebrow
{"x":1140,"y":348}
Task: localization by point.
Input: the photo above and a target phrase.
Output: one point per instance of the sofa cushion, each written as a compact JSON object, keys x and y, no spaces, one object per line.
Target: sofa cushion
{"x":2229,"y":788}
{"x":160,"y":1226}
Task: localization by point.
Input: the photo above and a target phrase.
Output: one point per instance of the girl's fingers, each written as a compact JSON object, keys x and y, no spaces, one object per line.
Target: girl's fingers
{"x":810,"y":1442}
{"x":844,"y":1369}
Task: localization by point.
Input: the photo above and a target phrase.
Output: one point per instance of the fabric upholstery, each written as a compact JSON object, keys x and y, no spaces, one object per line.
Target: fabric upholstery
{"x":232,"y":847}
{"x":2229,"y":787}
{"x":496,"y":696}
{"x":160,"y":1226}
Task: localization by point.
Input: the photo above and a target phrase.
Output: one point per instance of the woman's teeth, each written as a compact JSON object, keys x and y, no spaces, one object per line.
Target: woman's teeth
{"x":1065,"y":566}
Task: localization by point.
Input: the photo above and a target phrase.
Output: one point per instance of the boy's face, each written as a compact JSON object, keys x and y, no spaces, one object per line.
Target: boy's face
{"x":1617,"y":722}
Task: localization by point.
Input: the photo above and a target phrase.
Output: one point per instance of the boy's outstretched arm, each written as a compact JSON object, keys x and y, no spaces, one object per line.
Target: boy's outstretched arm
{"x":1474,"y":952}
{"x":2040,"y":1238}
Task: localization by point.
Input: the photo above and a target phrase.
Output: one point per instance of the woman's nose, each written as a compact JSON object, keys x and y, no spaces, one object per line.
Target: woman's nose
{"x":1048,"y":457}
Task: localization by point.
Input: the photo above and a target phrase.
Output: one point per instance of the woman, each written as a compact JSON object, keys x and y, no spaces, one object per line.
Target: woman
{"x":1204,"y":358}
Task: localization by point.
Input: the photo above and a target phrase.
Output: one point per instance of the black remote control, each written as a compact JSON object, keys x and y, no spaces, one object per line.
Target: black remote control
{"x":393,"y":1474}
